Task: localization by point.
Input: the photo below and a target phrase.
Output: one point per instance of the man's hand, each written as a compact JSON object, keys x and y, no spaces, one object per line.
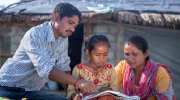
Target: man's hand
{"x":61,"y":77}
{"x":86,"y":86}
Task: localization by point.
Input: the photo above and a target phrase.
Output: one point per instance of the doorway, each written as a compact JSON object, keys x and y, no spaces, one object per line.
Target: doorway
{"x":75,"y":46}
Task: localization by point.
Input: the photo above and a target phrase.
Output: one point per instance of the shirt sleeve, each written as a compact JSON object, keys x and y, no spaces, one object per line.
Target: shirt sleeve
{"x":120,"y":69}
{"x":162,"y":80}
{"x":71,"y":90}
{"x":35,"y":49}
{"x":113,"y":81}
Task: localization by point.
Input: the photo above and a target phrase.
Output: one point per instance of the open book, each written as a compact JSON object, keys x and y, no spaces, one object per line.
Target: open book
{"x":116,"y":95}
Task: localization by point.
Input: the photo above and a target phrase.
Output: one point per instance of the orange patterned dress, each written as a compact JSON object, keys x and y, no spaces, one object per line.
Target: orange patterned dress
{"x":106,"y":77}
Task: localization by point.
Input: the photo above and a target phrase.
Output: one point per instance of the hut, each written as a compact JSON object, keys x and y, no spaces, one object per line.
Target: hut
{"x":158,"y":21}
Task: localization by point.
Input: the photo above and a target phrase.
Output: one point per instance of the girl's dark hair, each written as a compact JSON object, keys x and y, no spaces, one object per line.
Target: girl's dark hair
{"x":95,"y":38}
{"x":66,"y":9}
{"x":138,"y":41}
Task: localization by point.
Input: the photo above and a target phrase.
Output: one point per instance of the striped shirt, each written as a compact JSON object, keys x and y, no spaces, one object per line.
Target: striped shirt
{"x":31,"y":64}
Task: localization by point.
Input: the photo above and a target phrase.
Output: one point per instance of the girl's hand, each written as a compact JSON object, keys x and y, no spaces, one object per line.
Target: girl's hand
{"x":77,"y":96}
{"x":104,"y":89}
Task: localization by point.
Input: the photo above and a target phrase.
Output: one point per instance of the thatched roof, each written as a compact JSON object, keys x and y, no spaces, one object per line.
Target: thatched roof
{"x":150,"y":19}
{"x":127,"y":11}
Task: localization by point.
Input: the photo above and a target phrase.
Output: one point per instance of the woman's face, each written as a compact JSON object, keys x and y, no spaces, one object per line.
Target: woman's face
{"x":133,"y":56}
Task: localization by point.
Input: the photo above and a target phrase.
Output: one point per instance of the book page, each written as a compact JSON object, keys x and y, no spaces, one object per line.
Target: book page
{"x":116,"y":95}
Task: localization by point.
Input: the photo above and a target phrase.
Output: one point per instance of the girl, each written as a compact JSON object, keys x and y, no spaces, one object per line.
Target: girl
{"x":96,"y":69}
{"x":140,"y":76}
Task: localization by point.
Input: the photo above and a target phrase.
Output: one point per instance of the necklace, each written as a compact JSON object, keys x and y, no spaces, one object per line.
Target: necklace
{"x":93,"y":68}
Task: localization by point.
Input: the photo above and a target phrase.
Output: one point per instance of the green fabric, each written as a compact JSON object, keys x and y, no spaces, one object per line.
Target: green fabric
{"x":4,"y":98}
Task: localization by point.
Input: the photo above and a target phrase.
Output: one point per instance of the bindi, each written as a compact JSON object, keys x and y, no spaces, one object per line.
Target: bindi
{"x":128,"y":44}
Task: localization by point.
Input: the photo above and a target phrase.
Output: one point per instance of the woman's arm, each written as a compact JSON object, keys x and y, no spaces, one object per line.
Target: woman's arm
{"x":162,"y":80}
{"x":120,"y":69}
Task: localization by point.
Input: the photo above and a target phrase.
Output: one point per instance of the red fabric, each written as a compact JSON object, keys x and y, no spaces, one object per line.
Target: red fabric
{"x":75,"y":85}
{"x":145,"y":84}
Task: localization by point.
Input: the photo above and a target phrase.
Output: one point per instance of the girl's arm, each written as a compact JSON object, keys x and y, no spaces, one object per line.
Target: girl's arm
{"x":113,"y":81}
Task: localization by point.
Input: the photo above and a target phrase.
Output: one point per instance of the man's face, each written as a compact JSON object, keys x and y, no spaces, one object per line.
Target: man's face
{"x":65,"y":26}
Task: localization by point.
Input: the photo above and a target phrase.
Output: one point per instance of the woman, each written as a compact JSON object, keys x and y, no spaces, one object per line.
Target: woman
{"x":140,"y":76}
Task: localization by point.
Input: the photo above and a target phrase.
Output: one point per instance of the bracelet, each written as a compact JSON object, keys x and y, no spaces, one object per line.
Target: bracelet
{"x":75,"y":85}
{"x":76,"y":82}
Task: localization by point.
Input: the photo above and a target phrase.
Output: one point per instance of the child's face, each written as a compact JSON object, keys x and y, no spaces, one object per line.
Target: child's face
{"x":99,"y":54}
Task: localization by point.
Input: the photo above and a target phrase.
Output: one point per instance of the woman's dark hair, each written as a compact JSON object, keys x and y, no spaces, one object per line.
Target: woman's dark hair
{"x":66,"y":9}
{"x":138,"y":41}
{"x":95,"y":38}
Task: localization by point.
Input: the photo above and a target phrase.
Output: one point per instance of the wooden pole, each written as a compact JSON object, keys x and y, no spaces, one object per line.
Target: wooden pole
{"x":6,"y":55}
{"x":118,"y":43}
{"x":88,"y":34}
{"x":2,"y":60}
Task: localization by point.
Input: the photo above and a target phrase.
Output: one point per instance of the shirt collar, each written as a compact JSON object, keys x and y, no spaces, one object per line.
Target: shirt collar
{"x":51,"y":34}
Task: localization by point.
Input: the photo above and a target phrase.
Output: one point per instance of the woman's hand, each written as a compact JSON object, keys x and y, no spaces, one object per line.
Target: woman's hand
{"x":78,"y":96}
{"x":104,"y":89}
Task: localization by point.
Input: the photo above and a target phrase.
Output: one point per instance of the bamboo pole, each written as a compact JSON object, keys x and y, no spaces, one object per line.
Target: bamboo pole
{"x":6,"y":55}
{"x":88,"y":34}
{"x":118,"y":43}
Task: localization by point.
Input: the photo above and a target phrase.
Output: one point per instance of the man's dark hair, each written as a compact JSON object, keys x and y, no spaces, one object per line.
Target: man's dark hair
{"x":66,"y":9}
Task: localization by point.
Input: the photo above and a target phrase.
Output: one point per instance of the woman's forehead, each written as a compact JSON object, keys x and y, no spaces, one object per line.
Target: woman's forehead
{"x":131,"y":48}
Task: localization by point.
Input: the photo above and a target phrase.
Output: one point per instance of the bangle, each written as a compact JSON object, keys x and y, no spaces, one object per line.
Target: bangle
{"x":75,"y":85}
{"x":76,"y":82}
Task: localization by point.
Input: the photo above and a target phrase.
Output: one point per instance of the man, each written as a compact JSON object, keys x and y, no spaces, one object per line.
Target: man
{"x":42,"y":56}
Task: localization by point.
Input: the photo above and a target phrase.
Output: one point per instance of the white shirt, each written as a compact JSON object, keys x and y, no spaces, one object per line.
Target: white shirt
{"x":31,"y":64}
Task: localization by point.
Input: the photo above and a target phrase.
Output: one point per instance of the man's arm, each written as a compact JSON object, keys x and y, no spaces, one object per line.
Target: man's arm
{"x":64,"y":85}
{"x":61,"y":77}
{"x":44,"y":64}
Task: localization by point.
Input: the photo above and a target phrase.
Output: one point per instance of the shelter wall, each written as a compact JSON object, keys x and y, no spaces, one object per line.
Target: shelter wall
{"x":10,"y":37}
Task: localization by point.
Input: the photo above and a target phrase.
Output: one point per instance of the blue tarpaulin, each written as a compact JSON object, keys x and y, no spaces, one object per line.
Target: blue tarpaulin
{"x":100,"y":6}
